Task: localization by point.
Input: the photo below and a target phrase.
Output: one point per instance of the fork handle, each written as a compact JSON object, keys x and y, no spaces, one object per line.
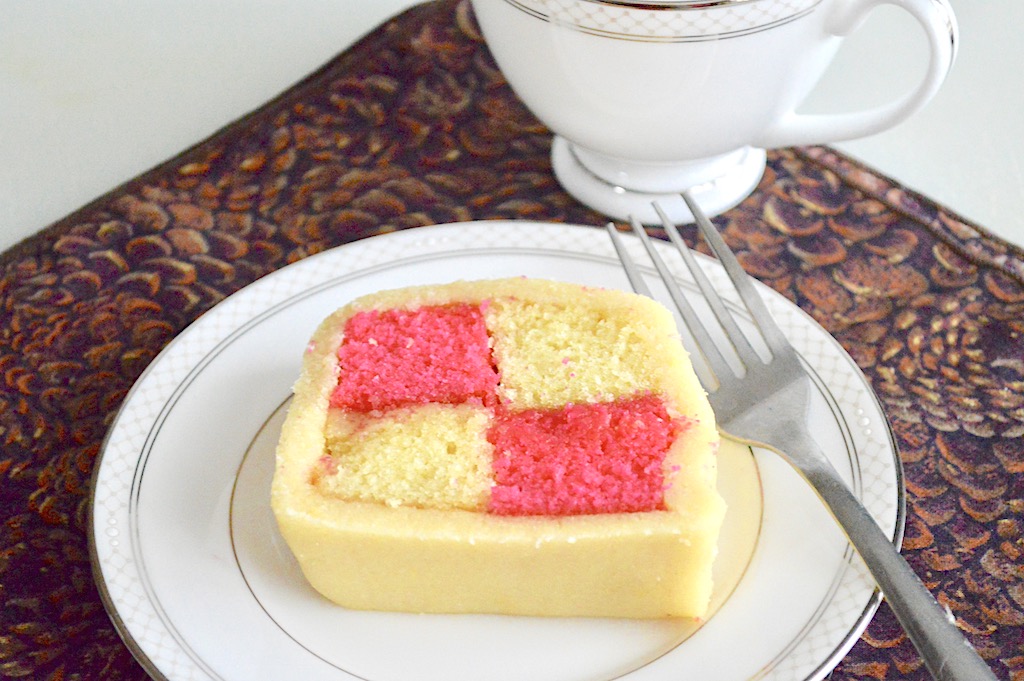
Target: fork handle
{"x":947,"y":654}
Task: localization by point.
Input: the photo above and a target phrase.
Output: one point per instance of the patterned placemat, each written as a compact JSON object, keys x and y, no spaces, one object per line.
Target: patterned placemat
{"x":416,"y":126}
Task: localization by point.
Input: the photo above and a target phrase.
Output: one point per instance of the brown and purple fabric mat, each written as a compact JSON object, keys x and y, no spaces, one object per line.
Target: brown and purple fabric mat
{"x":415,"y":126}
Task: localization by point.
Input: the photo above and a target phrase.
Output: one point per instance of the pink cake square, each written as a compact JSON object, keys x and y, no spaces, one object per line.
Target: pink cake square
{"x":399,"y":357}
{"x":581,"y":459}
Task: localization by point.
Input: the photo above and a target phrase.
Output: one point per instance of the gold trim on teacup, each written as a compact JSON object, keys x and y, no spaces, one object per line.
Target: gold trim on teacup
{"x":667,"y":22}
{"x":672,"y":4}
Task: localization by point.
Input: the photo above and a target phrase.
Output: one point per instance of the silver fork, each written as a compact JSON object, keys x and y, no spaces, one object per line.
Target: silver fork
{"x":765,"y":404}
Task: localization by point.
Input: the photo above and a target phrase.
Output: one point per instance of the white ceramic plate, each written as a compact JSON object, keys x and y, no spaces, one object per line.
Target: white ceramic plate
{"x":201,"y":586}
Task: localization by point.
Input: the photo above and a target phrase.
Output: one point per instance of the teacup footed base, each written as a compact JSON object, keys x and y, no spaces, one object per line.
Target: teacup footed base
{"x":716,"y":194}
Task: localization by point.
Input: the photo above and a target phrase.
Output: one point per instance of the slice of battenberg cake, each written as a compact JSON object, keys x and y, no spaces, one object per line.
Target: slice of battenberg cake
{"x":514,"y":446}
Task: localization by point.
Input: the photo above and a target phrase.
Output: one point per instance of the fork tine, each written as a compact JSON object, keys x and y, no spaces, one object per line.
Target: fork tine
{"x":636,"y":280}
{"x":770,"y":331}
{"x":736,"y":337}
{"x":716,"y":363}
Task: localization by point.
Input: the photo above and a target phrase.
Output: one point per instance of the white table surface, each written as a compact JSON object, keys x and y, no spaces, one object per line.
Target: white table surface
{"x":92,"y":94}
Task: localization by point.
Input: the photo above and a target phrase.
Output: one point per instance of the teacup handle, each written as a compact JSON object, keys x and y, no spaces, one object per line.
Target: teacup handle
{"x":940,"y":26}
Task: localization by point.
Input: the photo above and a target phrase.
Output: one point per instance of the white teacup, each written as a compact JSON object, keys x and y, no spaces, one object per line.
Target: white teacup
{"x":650,"y":97}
